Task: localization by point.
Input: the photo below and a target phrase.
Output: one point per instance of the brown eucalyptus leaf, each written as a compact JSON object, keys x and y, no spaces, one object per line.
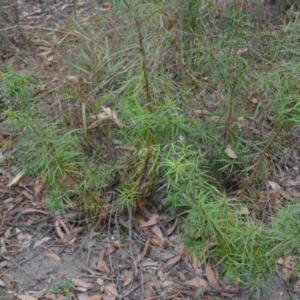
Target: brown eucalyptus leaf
{"x":211,"y":277}
{"x":111,"y":291}
{"x":52,"y":256}
{"x":81,"y":283}
{"x":95,"y":297}
{"x":171,"y":262}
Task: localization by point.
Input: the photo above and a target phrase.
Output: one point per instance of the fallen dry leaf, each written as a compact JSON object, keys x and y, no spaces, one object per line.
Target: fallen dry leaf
{"x":156,"y":242}
{"x":286,"y":266}
{"x":230,"y":152}
{"x":280,"y":261}
{"x":171,"y":262}
{"x":127,"y":276}
{"x":152,"y":221}
{"x":52,"y":256}
{"x":63,"y":225}
{"x":26,"y":297}
{"x":7,"y":233}
{"x":64,"y":6}
{"x":73,"y":78}
{"x":27,"y":195}
{"x":2,"y":246}
{"x":181,"y":275}
{"x":16,"y":179}
{"x":111,"y":291}
{"x":274,"y":185}
{"x":211,"y":277}
{"x":101,"y":262}
{"x":200,"y":113}
{"x":244,"y":211}
{"x":42,"y":241}
{"x":195,"y":264}
{"x":157,"y":231}
{"x":112,"y":115}
{"x":149,"y":263}
{"x":55,"y":297}
{"x":66,"y":236}
{"x":296,"y":287}
{"x":170,"y":230}
{"x":33,"y":210}
{"x":199,"y":293}
{"x":196,"y":282}
{"x":21,"y":237}
{"x":95,"y":297}
{"x":25,"y":241}
{"x":146,"y":247}
{"x":149,"y":286}
{"x":182,"y":249}
{"x":100,"y":281}
{"x":113,"y":247}
{"x":39,"y":89}
{"x":82,"y":296}
{"x":107,"y":114}
{"x":108,"y":297}
{"x":160,"y":275}
{"x":167,"y":283}
{"x":105,"y":6}
{"x":242,"y":51}
{"x":41,"y":293}
{"x":39,"y":184}
{"x":81,"y":283}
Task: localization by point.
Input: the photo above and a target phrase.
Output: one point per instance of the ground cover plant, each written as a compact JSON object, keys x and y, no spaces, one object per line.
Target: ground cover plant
{"x":194,"y":99}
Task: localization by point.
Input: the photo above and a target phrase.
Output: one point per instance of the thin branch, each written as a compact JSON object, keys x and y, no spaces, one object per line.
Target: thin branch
{"x":143,"y":54}
{"x":229,"y":119}
{"x":143,"y":174}
{"x":257,"y":165}
{"x":145,"y":69}
{"x":135,"y":264}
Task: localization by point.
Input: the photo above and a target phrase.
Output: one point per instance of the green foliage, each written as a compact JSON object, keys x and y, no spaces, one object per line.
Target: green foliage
{"x":154,"y":77}
{"x":47,"y":149}
{"x":285,"y":232}
{"x":17,"y":86}
{"x":64,"y":288}
{"x":15,"y":83}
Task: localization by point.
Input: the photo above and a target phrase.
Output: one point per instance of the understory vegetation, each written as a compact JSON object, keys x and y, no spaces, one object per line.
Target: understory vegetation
{"x":191,"y":98}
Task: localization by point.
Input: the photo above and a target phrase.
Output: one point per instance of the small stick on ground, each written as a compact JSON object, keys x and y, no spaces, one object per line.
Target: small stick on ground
{"x":136,"y":270}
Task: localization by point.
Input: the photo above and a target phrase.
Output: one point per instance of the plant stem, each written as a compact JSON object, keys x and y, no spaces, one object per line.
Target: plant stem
{"x":258,"y":163}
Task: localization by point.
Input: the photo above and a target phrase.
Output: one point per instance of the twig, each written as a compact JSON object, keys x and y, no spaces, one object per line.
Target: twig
{"x":4,"y":272}
{"x":118,"y":257}
{"x":149,"y":103}
{"x":143,"y":54}
{"x":145,"y":70}
{"x":229,"y":118}
{"x":136,"y":270}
